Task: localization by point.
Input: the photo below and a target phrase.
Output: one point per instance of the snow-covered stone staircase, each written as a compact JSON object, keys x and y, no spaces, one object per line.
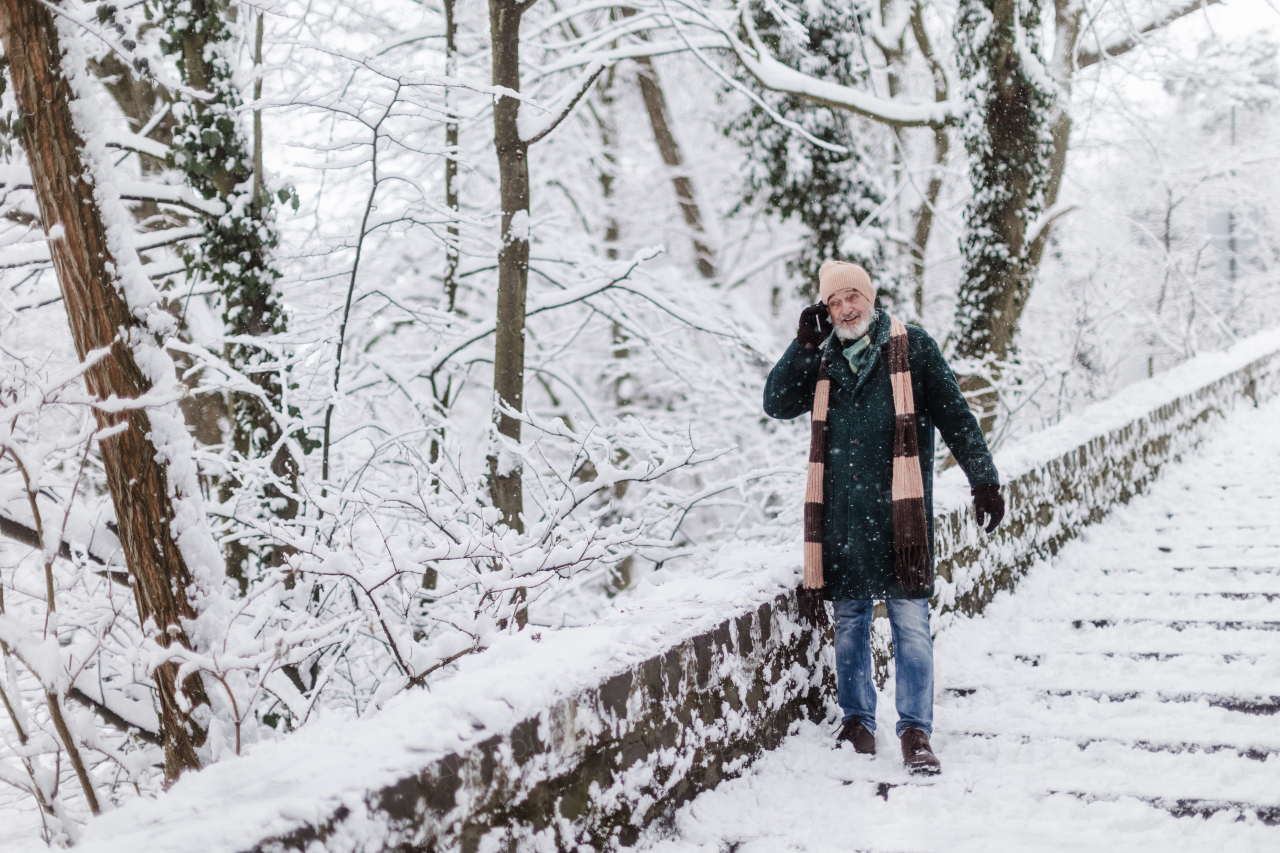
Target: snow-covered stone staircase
{"x":1126,"y":696}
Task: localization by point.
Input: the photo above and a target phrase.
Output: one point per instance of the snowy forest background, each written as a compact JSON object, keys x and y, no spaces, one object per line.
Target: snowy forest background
{"x":454,"y":361}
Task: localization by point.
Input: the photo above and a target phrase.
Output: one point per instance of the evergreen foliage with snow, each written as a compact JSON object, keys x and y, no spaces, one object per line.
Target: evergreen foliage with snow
{"x":832,"y":189}
{"x":212,"y":150}
{"x":1008,"y":94}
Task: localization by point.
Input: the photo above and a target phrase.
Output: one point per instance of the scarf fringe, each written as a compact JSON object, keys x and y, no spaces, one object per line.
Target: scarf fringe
{"x":911,"y":565}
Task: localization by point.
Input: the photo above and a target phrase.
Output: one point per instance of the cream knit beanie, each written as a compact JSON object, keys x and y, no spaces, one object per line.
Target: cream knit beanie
{"x":836,"y":276}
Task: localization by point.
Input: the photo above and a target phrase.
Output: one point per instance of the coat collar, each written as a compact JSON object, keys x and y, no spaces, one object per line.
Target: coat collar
{"x":838,"y":367}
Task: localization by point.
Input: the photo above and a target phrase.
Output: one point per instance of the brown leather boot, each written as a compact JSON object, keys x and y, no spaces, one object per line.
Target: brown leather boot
{"x":853,"y":731}
{"x":917,"y":755}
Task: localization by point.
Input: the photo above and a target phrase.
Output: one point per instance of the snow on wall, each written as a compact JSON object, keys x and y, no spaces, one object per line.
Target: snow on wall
{"x":550,"y":739}
{"x":1059,"y":480}
{"x":573,"y":739}
{"x":1064,"y":478}
{"x":587,"y":772}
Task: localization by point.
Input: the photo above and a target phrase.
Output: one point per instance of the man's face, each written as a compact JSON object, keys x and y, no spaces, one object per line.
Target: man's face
{"x":850,"y":313}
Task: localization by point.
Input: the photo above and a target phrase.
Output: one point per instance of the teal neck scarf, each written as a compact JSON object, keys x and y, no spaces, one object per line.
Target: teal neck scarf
{"x":855,"y":353}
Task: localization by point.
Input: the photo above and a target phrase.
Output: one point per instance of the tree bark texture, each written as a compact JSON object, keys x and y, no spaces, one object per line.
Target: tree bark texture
{"x":655,"y":103}
{"x":513,"y":259}
{"x":235,"y":254}
{"x":608,"y":165}
{"x":451,"y":248}
{"x":941,"y":149}
{"x":1009,"y":147}
{"x":1067,"y":18}
{"x":97,"y":311}
{"x":139,"y":99}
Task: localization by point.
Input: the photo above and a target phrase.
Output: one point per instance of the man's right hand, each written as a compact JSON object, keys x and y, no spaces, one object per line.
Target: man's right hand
{"x":815,"y":326}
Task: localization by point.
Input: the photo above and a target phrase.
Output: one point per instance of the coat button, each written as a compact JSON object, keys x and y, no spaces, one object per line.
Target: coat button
{"x":857,"y":441}
{"x":856,"y":478}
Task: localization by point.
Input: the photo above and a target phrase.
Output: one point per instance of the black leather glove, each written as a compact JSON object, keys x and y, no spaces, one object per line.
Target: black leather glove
{"x":812,"y":608}
{"x":815,"y":325}
{"x":987,"y":502}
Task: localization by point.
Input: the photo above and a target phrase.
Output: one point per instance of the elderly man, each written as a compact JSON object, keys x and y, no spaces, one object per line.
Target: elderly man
{"x":876,"y":389}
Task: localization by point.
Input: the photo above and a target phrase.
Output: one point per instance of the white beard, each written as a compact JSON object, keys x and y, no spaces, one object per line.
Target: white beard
{"x":857,"y":331}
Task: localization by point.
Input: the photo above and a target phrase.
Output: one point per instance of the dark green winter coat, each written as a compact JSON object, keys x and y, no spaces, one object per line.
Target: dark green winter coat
{"x":857,"y":538}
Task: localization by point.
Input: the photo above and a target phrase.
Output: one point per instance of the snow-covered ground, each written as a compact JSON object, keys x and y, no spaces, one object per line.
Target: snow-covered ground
{"x":1125,"y":697}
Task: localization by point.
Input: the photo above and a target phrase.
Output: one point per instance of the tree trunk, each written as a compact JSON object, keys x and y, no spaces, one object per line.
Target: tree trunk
{"x":235,"y":255}
{"x":1009,"y":148}
{"x":139,"y":98}
{"x":1067,"y":16}
{"x":655,"y":103}
{"x":605,"y":117}
{"x":1029,"y":133}
{"x":941,"y":148}
{"x":259,"y":169}
{"x":97,"y":310}
{"x":513,"y":261}
{"x":894,"y":56}
{"x":451,"y":248}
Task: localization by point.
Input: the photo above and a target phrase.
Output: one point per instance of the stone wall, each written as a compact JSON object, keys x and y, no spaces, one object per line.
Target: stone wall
{"x":1050,"y":503}
{"x":590,"y":771}
{"x":618,"y":745}
{"x":594,"y":769}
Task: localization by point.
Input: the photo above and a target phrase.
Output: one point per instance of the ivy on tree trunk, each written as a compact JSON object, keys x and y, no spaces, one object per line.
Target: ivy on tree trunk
{"x":235,"y":255}
{"x":1006,"y":135}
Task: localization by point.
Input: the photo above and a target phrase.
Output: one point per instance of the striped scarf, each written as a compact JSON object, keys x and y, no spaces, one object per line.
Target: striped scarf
{"x":910,"y":527}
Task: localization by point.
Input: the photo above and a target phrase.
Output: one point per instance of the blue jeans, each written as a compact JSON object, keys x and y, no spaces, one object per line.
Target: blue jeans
{"x":913,"y":656}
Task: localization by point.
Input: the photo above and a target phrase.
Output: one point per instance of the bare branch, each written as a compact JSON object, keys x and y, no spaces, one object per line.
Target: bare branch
{"x":777,"y":77}
{"x":111,"y":718}
{"x":568,"y":100}
{"x":559,"y":301}
{"x":136,"y":142}
{"x":11,"y":528}
{"x":1086,"y":58}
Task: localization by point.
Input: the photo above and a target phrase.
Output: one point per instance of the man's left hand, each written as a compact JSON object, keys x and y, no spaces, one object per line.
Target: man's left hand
{"x":987,"y":502}
{"x":813,"y":609}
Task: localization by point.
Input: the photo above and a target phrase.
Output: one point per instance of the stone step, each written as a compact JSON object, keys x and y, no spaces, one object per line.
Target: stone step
{"x":1254,"y":705}
{"x":1203,"y":540}
{"x":1192,"y":583}
{"x":1191,"y":807}
{"x":1151,"y":672}
{"x":1203,"y":580}
{"x":1222,"y":551}
{"x":1156,"y":606}
{"x":1030,"y":637}
{"x":1184,"y":807}
{"x":1031,"y":658}
{"x":1091,"y":716}
{"x":1181,"y":624}
{"x":1154,"y":773}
